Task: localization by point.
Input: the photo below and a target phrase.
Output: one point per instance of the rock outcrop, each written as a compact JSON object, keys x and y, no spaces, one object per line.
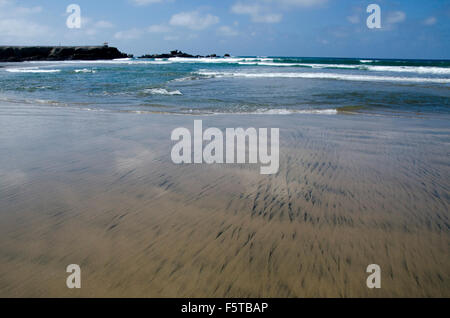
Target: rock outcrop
{"x":174,"y":53}
{"x":58,"y":53}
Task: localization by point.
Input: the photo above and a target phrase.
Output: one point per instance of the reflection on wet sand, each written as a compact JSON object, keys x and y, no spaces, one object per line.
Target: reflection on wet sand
{"x":101,"y":191}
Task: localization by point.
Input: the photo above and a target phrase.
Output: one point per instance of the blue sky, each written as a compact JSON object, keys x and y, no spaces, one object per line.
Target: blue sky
{"x":410,"y":28}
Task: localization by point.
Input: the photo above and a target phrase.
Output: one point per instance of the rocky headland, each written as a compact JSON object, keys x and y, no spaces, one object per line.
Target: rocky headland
{"x":59,"y":53}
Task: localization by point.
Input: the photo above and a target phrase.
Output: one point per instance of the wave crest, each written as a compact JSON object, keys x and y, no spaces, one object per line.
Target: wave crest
{"x":161,"y":91}
{"x":332,"y":76}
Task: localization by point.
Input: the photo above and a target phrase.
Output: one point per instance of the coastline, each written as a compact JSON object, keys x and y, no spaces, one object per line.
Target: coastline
{"x":99,"y":189}
{"x":59,"y":53}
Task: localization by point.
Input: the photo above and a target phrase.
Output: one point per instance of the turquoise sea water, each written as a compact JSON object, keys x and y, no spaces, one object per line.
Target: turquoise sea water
{"x":261,"y":85}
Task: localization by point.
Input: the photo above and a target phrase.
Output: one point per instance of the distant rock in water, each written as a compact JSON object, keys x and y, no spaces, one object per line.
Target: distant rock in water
{"x":174,"y":53}
{"x":58,"y":53}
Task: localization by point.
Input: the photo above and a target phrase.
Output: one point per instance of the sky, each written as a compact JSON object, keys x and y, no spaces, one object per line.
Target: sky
{"x":416,"y":29}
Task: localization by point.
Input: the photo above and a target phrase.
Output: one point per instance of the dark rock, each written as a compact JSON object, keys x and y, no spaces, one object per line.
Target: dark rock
{"x":58,"y":53}
{"x":174,"y":53}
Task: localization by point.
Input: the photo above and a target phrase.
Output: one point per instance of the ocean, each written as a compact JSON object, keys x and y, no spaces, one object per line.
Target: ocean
{"x":87,"y":178}
{"x":238,"y":85}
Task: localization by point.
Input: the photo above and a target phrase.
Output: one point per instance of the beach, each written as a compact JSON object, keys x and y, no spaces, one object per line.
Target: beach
{"x":98,"y":188}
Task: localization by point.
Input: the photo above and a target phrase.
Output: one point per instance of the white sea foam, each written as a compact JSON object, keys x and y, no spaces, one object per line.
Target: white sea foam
{"x":85,"y":70}
{"x":173,"y":60}
{"x":410,"y":69}
{"x":43,"y":101}
{"x":347,"y":66}
{"x":283,"y":111}
{"x":263,"y":111}
{"x":310,"y":65}
{"x":334,"y":76}
{"x":229,"y":60}
{"x":157,"y":62}
{"x":31,"y":70}
{"x":250,"y":61}
{"x":275,"y":64}
{"x":270,"y":62}
{"x":161,"y":91}
{"x":126,"y":61}
{"x":376,"y":68}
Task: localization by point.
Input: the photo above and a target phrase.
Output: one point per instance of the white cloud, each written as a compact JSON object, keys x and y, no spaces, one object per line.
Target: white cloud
{"x":145,"y":2}
{"x":265,"y":11}
{"x":353,"y":19}
{"x":257,"y":13}
{"x":193,"y":20}
{"x":171,"y":38}
{"x":26,"y":11}
{"x":227,"y":31}
{"x":16,"y":22}
{"x":17,"y":28}
{"x":250,"y":9}
{"x":158,"y":28}
{"x":430,"y":21}
{"x":91,"y":28}
{"x":396,"y":17}
{"x":268,"y":18}
{"x":136,"y":33}
{"x":128,"y":34}
{"x":103,"y":24}
{"x":11,"y":9}
{"x":302,"y":3}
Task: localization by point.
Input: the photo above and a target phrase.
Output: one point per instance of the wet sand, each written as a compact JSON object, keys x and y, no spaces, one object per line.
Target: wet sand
{"x":99,"y":189}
